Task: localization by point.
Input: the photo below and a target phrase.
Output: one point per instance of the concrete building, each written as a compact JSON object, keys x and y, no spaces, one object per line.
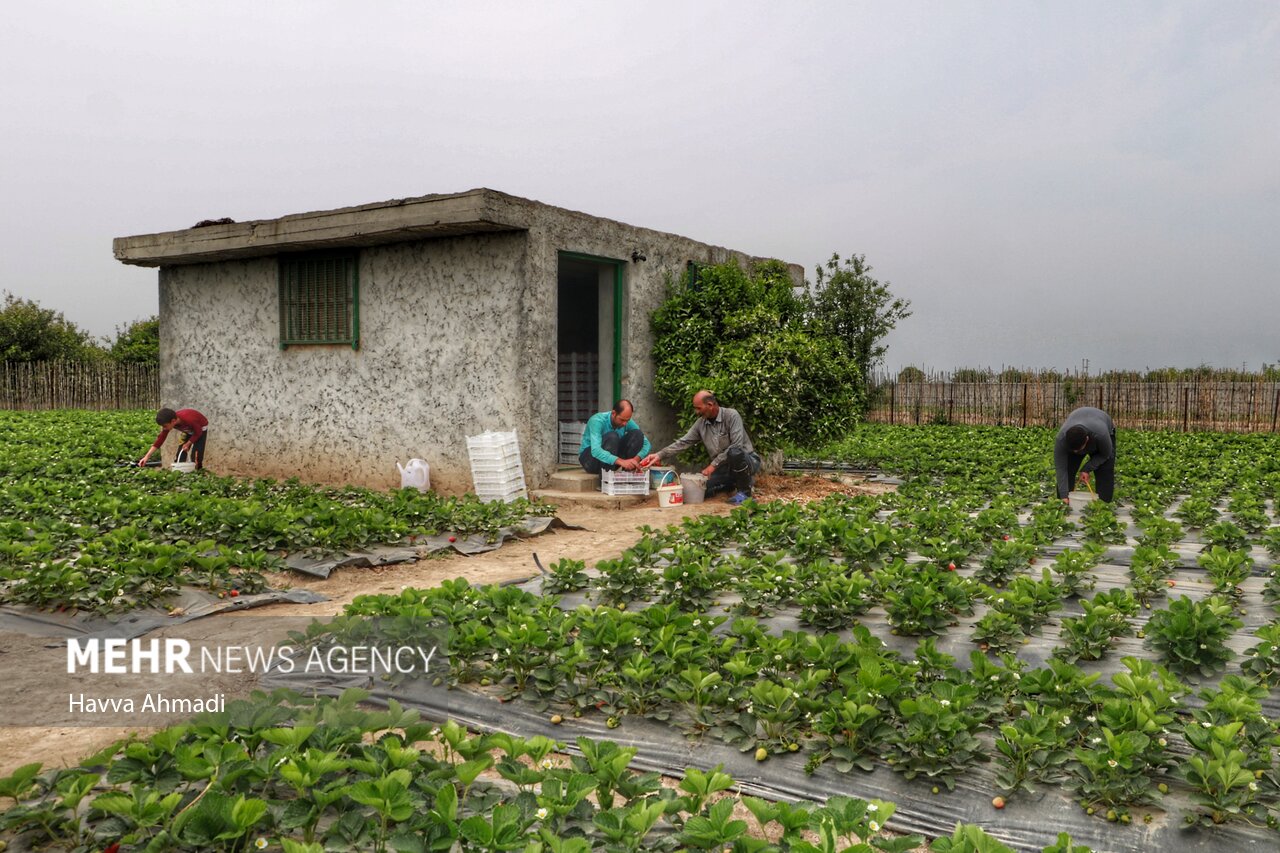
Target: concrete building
{"x":330,"y":345}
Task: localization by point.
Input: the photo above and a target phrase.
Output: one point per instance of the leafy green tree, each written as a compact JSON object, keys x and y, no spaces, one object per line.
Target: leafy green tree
{"x":29,"y":332}
{"x":747,"y":337}
{"x":859,"y":310}
{"x":137,"y":343}
{"x":910,"y":373}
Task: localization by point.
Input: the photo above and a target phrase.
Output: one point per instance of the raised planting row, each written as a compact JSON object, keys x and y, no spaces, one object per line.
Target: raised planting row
{"x":281,"y":772}
{"x":77,"y":530}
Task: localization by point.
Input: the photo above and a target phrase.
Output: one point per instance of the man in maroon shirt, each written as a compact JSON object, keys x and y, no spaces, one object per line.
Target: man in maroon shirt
{"x":191,"y":424}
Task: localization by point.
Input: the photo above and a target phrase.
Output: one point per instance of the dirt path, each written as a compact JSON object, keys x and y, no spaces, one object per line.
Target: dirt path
{"x":42,"y":669}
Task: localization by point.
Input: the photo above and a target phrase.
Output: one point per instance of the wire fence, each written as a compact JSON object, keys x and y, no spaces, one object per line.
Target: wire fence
{"x":78,"y":385}
{"x":1188,"y":405}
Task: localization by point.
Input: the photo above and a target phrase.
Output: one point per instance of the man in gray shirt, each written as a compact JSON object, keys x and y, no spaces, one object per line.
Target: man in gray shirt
{"x":734,"y":462}
{"x":1086,"y":432}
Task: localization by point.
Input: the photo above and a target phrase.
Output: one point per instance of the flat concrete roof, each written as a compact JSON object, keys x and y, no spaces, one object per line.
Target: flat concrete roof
{"x":477,"y":211}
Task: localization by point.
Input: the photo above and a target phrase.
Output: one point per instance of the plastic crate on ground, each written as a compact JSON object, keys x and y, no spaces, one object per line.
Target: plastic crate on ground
{"x":624,"y":482}
{"x":496,"y":470}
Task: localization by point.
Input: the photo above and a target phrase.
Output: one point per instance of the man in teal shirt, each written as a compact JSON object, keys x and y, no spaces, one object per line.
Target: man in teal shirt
{"x":612,"y":440}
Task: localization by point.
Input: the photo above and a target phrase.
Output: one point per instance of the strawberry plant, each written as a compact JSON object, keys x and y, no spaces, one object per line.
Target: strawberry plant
{"x":1149,"y":568}
{"x":1271,"y":541}
{"x":1159,"y":531}
{"x":998,"y":631}
{"x":1220,"y":781}
{"x":1111,"y":771}
{"x":924,"y":599}
{"x":936,"y":737}
{"x":1032,"y":750}
{"x":1239,"y":700}
{"x":1072,"y":568}
{"x":968,"y":838}
{"x":1105,"y":618}
{"x":1006,"y":558}
{"x":1226,"y":535}
{"x":1262,"y":661}
{"x":852,"y":733}
{"x":566,"y":575}
{"x":1191,"y":635}
{"x":836,"y":601}
{"x":1101,"y":525}
{"x":1197,"y":512}
{"x":1227,"y":568}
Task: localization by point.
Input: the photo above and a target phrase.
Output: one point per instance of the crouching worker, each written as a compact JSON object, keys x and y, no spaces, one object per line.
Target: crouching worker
{"x":612,"y":440}
{"x":193,"y":427}
{"x":1086,"y":432}
{"x":734,"y":461}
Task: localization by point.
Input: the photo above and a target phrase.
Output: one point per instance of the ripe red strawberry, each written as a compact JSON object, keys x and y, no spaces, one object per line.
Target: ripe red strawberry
{"x":453,"y":538}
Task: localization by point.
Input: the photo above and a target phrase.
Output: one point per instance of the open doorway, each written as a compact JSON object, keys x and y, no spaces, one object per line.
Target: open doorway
{"x":589,"y":329}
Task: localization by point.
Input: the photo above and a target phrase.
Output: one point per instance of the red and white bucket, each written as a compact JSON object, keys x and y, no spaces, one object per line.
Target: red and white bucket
{"x":670,"y":495}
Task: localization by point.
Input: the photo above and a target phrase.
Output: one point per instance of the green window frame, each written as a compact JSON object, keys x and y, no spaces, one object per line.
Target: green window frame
{"x":320,"y":299}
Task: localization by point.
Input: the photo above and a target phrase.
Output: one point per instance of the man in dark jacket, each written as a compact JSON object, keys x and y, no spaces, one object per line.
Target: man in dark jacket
{"x":1086,"y":432}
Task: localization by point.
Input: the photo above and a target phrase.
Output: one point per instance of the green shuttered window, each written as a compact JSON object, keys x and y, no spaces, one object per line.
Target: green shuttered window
{"x":319,"y":300}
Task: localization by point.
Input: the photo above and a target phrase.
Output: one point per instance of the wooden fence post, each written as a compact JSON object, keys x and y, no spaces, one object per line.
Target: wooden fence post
{"x":1186,"y":408}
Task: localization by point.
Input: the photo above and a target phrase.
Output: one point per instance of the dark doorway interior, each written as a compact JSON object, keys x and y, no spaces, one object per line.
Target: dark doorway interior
{"x":578,"y":345}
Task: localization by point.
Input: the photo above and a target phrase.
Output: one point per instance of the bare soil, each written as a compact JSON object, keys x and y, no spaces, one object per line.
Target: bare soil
{"x":606,"y":533}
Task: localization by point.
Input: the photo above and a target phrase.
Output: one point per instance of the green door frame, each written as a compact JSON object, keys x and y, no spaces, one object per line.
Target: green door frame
{"x":617,"y":309}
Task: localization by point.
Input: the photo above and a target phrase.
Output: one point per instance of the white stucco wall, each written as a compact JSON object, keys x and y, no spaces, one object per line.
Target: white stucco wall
{"x":441,"y":329}
{"x":458,"y":335}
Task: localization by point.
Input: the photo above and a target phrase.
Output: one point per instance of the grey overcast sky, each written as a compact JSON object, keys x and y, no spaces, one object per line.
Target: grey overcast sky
{"x":1047,"y":182}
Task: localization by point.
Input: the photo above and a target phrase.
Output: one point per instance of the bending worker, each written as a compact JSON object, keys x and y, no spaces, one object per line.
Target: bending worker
{"x":734,"y":462}
{"x":194,"y":429}
{"x":1086,"y":432}
{"x":612,"y":440}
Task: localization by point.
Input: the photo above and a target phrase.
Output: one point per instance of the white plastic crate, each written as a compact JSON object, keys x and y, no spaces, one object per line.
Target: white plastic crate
{"x":498,"y":441}
{"x":506,"y":496}
{"x":506,"y":463}
{"x":498,"y":479}
{"x":624,"y":482}
{"x":571,"y":441}
{"x":495,"y":466}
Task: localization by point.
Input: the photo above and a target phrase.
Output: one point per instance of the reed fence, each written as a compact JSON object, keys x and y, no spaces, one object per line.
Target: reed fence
{"x":78,"y":385}
{"x":1188,"y":405}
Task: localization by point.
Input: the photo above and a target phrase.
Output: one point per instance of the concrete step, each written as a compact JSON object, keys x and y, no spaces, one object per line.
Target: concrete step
{"x":574,"y":480}
{"x":593,"y":498}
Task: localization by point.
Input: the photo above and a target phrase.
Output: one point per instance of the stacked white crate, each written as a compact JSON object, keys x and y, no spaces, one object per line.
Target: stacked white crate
{"x":571,"y":441}
{"x":624,"y":482}
{"x":495,"y":466}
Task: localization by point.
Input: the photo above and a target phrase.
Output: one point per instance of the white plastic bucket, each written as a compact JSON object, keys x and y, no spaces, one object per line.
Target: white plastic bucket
{"x":182,"y":466}
{"x":669,"y":494}
{"x":695,"y":488}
